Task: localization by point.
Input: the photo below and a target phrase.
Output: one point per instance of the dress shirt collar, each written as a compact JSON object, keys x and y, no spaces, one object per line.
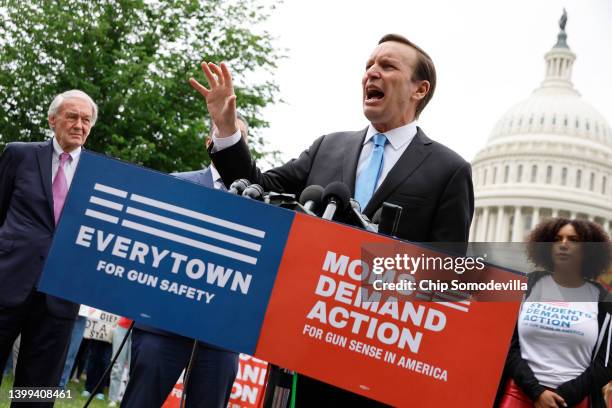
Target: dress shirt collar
{"x":215,"y":175}
{"x":397,"y":137}
{"x":58,"y":151}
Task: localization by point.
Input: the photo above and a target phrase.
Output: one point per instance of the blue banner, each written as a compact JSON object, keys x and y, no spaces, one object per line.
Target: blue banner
{"x":167,"y":252}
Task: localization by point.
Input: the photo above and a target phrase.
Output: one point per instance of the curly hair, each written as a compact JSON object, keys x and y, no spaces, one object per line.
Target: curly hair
{"x":596,"y":258}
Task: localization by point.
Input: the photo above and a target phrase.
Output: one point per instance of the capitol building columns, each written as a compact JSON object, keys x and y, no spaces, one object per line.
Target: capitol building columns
{"x":535,"y":218}
{"x":501,"y":223}
{"x":516,"y":225}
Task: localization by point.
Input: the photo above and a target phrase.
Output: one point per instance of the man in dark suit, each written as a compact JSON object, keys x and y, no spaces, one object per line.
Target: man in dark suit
{"x":34,"y":181}
{"x":392,"y":160}
{"x":159,"y":357}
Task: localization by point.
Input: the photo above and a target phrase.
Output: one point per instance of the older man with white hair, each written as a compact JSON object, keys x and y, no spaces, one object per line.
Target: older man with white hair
{"x":34,"y":181}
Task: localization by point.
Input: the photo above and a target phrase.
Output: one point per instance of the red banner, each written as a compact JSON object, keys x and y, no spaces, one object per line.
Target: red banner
{"x":404,"y":352}
{"x":247,"y":391}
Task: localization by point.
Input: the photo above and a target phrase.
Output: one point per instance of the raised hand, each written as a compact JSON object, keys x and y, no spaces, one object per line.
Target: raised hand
{"x":220,"y":98}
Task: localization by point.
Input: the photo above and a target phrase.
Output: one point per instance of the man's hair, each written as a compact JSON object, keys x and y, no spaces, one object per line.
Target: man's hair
{"x":423,"y":71}
{"x":73,"y":93}
{"x":596,"y":254}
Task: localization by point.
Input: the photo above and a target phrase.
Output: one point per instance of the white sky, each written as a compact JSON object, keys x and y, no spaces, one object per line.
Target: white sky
{"x":488,"y":55}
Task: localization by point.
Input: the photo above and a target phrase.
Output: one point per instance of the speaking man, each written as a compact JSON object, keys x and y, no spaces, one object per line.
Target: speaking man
{"x":34,"y":181}
{"x":391,"y":160}
{"x":159,"y":357}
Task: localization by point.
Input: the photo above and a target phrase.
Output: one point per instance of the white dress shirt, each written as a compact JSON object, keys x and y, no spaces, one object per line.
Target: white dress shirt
{"x":217,"y":181}
{"x":69,"y":166}
{"x":399,"y":139}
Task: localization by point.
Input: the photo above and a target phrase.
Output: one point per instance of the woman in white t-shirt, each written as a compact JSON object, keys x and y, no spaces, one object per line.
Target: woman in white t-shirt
{"x":561,"y":348}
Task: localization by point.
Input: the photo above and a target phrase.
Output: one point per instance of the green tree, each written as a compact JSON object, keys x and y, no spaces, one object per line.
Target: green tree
{"x":133,"y":57}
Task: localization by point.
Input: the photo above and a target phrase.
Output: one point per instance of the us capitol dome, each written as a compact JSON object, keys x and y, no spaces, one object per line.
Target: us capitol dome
{"x":549,"y":155}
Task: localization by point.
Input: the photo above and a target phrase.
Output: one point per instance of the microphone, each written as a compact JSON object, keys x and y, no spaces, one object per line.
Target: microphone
{"x":388,"y":217}
{"x":376,"y":216}
{"x":238,"y":186}
{"x":361,"y":218}
{"x":311,"y":198}
{"x":255,"y":192}
{"x":337,"y":196}
{"x":283,"y":200}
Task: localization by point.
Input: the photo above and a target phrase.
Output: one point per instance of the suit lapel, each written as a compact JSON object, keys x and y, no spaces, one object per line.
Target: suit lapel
{"x":45,"y":156}
{"x":408,"y":162}
{"x":206,"y":178}
{"x":351,"y":158}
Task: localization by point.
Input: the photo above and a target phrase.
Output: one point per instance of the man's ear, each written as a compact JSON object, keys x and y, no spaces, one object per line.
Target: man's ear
{"x":51,"y":120}
{"x":422,"y":89}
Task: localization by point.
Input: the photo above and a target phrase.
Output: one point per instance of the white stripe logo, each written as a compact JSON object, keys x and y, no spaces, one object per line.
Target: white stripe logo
{"x":200,"y":224}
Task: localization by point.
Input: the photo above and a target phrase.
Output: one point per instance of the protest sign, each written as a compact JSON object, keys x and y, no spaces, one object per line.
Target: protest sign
{"x":166,"y":252}
{"x":284,"y":287}
{"x":403,"y":351}
{"x":100,"y":325}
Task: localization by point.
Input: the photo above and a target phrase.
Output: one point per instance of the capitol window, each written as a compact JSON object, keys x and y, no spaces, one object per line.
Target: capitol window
{"x":519,"y":173}
{"x":592,"y":182}
{"x":564,"y":176}
{"x":506,"y":173}
{"x":604,"y":181}
{"x":578,"y":178}
{"x":548,"y":174}
{"x":534,"y":173}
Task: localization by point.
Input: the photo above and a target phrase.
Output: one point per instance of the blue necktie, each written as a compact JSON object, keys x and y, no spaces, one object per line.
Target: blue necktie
{"x":366,"y":182}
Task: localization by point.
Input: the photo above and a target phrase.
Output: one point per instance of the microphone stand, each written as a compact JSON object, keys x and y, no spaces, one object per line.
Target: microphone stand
{"x":108,"y":368}
{"x":188,"y":373}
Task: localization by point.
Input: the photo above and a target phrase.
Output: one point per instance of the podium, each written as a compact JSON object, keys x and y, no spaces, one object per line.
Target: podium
{"x":287,"y":288}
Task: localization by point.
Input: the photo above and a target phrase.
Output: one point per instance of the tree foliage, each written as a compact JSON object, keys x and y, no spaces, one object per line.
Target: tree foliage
{"x":134,"y":58}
